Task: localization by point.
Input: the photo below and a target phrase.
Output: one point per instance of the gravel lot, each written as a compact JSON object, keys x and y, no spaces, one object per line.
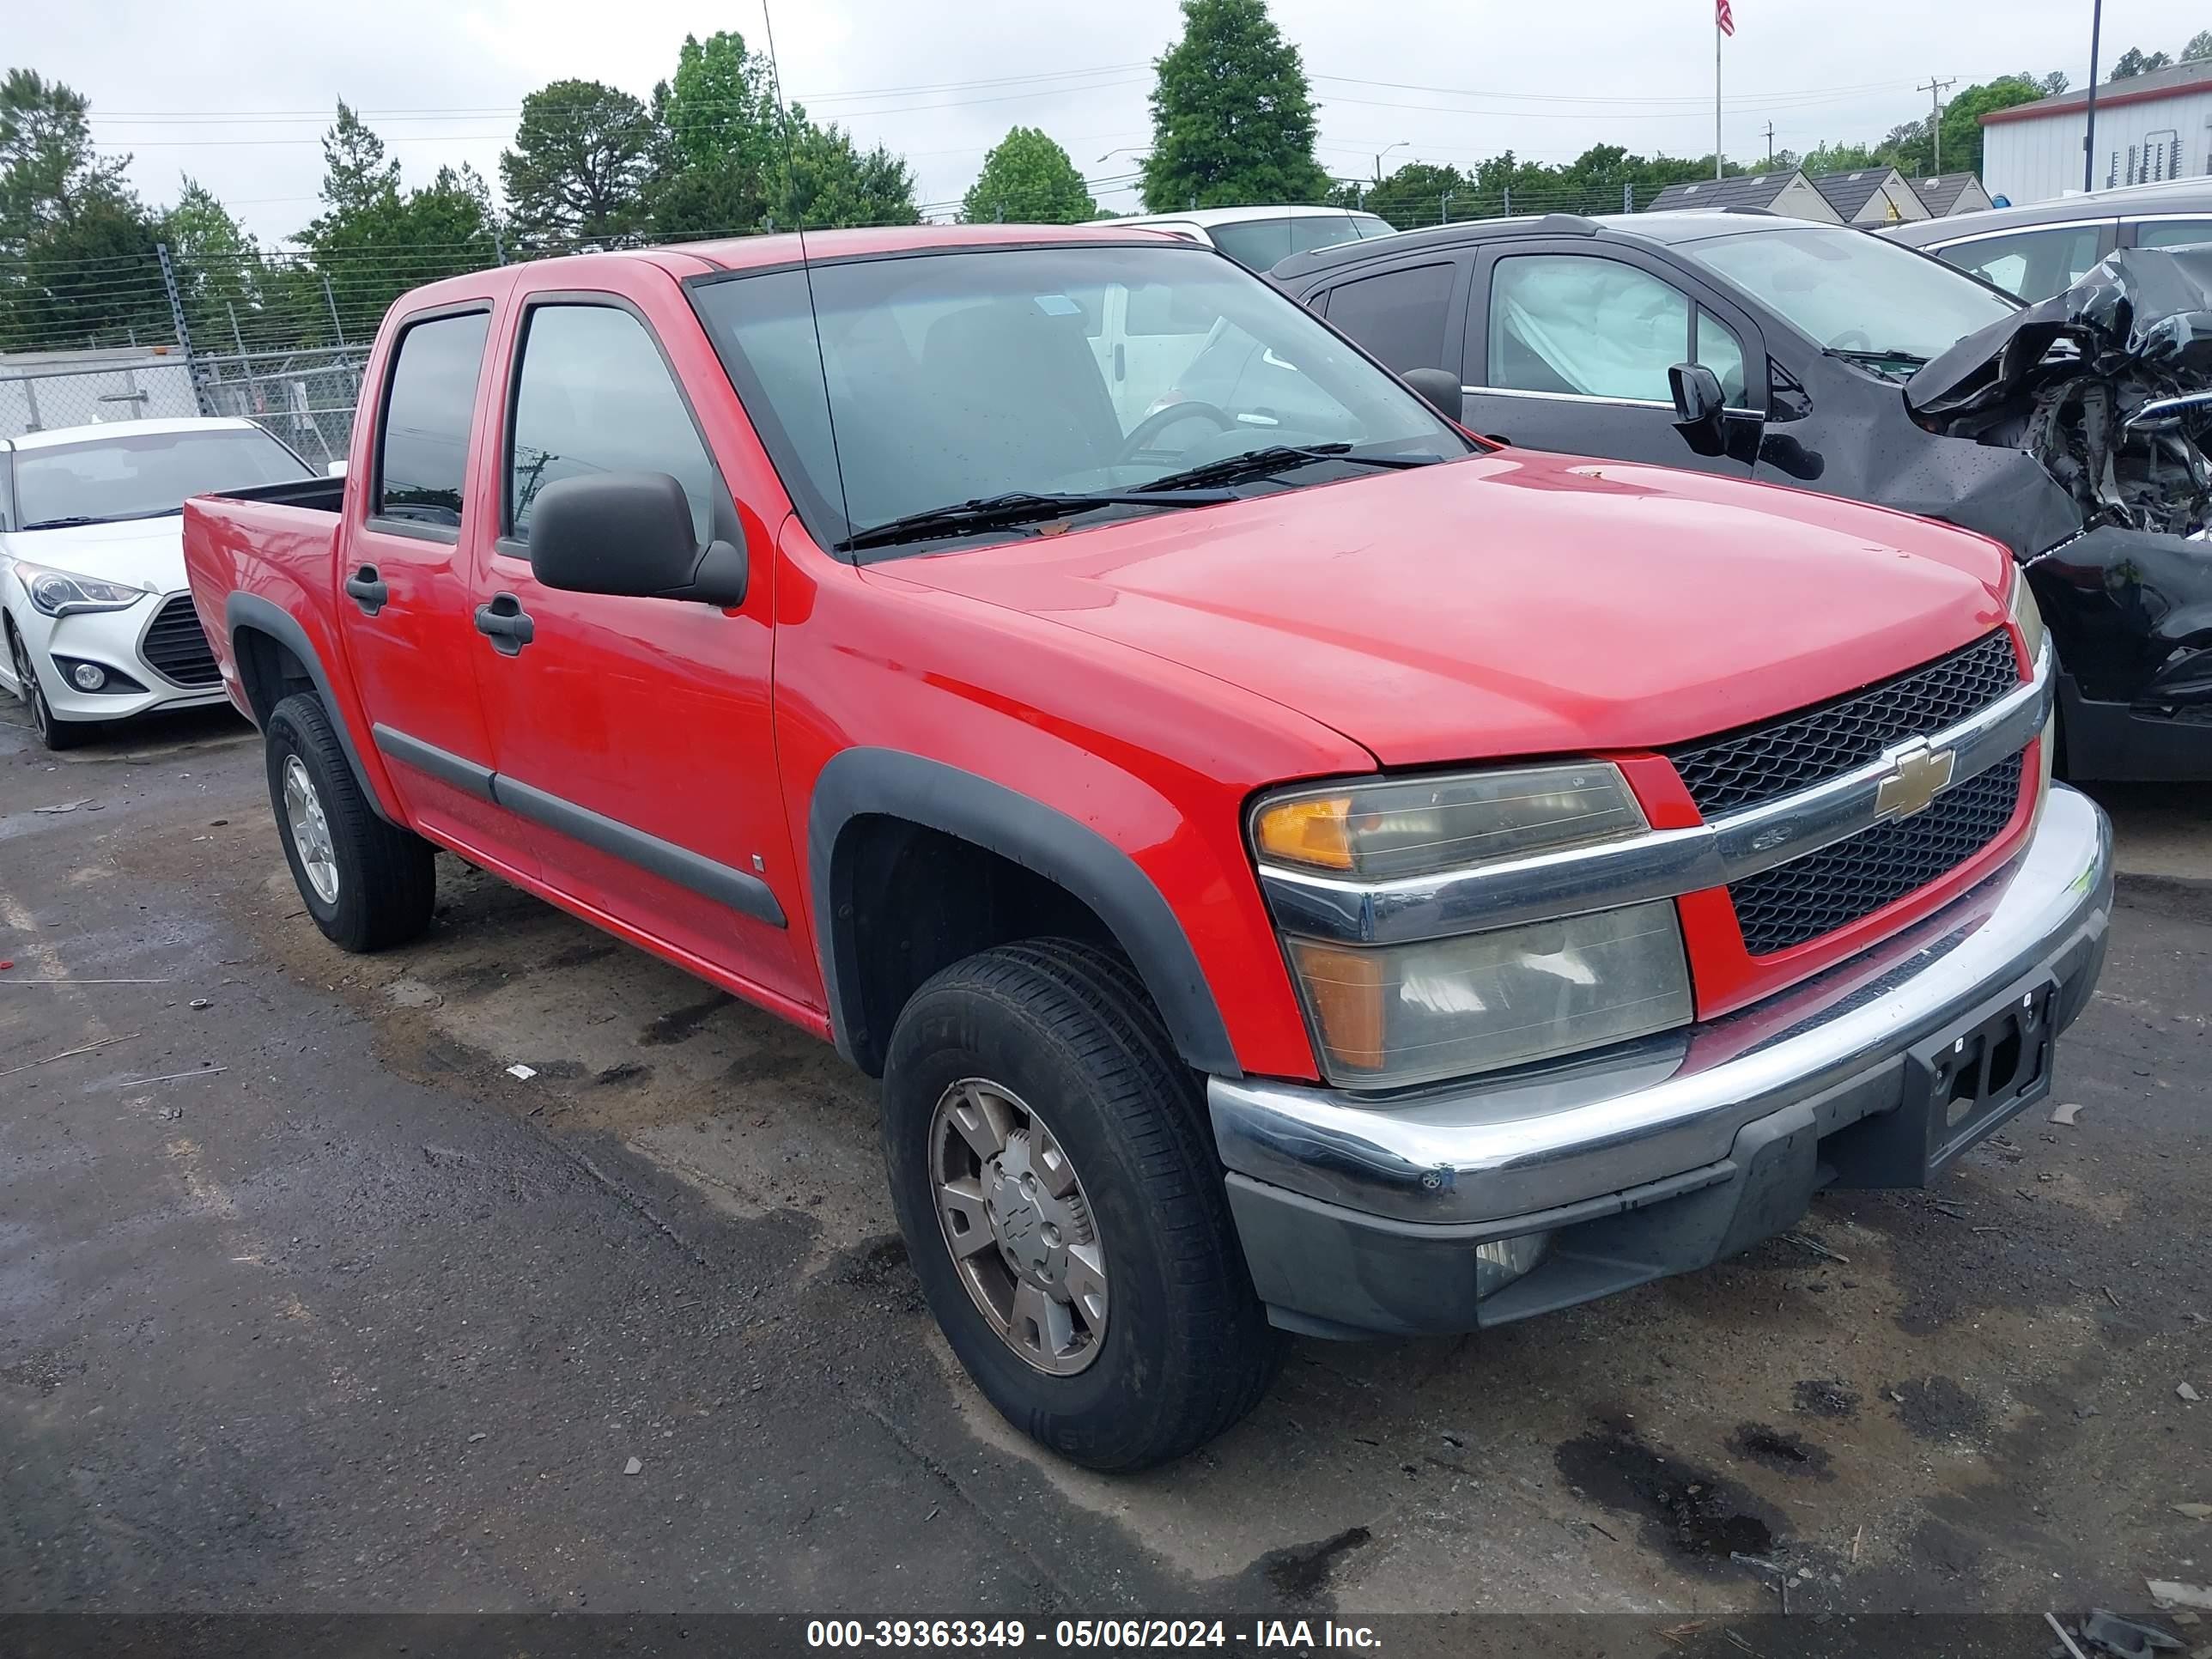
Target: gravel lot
{"x":306,"y":1303}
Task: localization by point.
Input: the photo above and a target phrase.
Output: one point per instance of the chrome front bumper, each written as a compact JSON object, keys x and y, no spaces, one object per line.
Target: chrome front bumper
{"x":1345,"y":1203}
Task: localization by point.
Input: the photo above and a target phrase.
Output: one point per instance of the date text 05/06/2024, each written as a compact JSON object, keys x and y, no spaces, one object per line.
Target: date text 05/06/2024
{"x":1085,"y":1634}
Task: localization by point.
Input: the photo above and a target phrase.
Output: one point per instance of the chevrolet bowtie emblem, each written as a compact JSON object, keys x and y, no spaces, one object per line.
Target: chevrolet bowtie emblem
{"x":1917,"y":774}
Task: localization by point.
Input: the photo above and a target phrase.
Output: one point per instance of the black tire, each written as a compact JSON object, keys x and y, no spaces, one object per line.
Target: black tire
{"x":386,"y":877}
{"x":54,"y":732}
{"x":1186,"y":1349}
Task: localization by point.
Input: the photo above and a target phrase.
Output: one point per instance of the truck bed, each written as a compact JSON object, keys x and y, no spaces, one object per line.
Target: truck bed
{"x":272,"y":546}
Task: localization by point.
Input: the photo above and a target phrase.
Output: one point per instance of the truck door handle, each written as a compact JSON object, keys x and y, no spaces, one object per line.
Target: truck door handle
{"x":367,"y":590}
{"x":1121,"y":363}
{"x":506,"y":624}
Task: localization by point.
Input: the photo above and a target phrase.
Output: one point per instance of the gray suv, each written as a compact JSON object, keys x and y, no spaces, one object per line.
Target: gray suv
{"x":2041,"y":249}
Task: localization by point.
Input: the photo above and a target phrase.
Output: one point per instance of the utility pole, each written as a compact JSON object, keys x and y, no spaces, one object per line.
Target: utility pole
{"x":2089,"y":124}
{"x":1767,"y":133}
{"x":1936,"y":89}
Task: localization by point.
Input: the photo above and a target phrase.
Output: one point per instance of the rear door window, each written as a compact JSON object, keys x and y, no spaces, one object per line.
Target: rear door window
{"x":423,"y":446}
{"x":2032,"y":263}
{"x":1256,"y":244}
{"x":1400,"y":316}
{"x":2172,"y":232}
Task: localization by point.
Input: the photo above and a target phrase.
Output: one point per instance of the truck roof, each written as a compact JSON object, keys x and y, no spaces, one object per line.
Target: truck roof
{"x":683,"y":259}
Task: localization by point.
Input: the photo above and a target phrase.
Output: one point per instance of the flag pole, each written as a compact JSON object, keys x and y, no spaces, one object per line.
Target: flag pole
{"x":1717,"y":93}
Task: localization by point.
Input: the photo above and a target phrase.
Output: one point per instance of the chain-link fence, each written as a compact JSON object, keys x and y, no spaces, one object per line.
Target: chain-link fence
{"x":305,"y":398}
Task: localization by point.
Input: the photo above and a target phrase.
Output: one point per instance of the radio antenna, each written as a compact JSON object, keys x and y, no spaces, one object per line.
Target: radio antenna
{"x":807,"y":269}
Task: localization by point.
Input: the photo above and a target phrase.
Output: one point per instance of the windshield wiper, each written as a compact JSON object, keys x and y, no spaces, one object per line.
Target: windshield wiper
{"x":1278,"y":458}
{"x":1913,"y":357}
{"x":67,"y":522}
{"x":1015,"y":508}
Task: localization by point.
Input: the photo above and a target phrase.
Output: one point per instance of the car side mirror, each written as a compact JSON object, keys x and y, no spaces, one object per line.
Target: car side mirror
{"x":1701,"y":409}
{"x":630,"y":533}
{"x":335,"y":470}
{"x":1438,"y":388}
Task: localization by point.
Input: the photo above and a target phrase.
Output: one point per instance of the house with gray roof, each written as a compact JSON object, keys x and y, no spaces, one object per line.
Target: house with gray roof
{"x":1870,"y":196}
{"x":1946,"y":193}
{"x":1784,"y":191}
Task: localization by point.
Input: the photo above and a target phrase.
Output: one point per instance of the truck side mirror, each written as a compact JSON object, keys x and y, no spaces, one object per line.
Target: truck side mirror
{"x":1701,"y":409}
{"x":630,"y":533}
{"x":1438,"y":388}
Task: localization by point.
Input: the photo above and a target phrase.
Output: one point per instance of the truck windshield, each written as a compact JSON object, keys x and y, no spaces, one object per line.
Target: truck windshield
{"x":959,"y":378}
{"x":1853,"y":293}
{"x":141,"y":475}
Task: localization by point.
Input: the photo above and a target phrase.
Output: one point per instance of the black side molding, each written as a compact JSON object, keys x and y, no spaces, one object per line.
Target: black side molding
{"x":745,"y":893}
{"x":244,"y":611}
{"x":742,"y":892}
{"x":860,"y":781}
{"x":446,"y":767}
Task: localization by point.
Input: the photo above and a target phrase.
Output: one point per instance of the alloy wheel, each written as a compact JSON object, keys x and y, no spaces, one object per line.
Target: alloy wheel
{"x":310,"y":830}
{"x":1020,"y":1229}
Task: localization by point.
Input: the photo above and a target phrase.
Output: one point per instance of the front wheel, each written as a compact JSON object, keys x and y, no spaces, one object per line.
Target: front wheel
{"x":367,"y":883}
{"x":1064,"y":1209}
{"x":54,"y":732}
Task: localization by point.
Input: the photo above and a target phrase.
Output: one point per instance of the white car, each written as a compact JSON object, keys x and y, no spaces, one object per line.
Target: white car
{"x":1259,"y":238}
{"x":98,"y":620}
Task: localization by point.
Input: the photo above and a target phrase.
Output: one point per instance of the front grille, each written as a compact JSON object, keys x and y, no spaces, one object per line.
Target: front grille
{"x":1743,"y":768}
{"x":176,"y":647}
{"x":1834,"y":887}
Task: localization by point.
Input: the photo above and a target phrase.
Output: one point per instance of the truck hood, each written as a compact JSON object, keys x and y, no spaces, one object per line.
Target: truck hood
{"x":1512,"y":604}
{"x":147,"y":553}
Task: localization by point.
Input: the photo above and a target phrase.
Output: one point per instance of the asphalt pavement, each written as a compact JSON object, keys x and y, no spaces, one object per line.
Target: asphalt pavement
{"x":308,"y":1303}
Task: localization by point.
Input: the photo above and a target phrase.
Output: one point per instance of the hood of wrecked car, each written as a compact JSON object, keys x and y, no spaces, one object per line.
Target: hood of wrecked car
{"x":2107,"y":386}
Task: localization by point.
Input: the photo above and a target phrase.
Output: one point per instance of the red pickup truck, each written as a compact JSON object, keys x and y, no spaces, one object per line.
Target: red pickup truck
{"x":1295,"y":867}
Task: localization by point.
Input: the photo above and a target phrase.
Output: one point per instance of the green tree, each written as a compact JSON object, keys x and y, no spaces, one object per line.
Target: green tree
{"x":1840,"y":158}
{"x":830,"y":181}
{"x":720,"y":104}
{"x":2199,"y":47}
{"x":2134,"y":61}
{"x":1232,"y":114}
{"x":373,"y":240}
{"x":89,"y":277}
{"x":578,"y":167}
{"x":215,"y":260}
{"x":1027,"y":178}
{"x":1962,"y":116}
{"x":47,"y":162}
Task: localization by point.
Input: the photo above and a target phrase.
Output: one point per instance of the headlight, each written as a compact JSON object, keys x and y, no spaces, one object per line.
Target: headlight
{"x":1418,"y":826}
{"x":2028,"y":617}
{"x":1389,"y":1016}
{"x":60,"y":594}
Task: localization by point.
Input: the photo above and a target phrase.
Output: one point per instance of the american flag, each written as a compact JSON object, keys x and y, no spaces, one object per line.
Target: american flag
{"x":1724,"y":19}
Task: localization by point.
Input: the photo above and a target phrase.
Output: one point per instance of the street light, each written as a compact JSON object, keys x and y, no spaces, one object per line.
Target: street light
{"x":1403,"y":143}
{"x":1126,"y":150}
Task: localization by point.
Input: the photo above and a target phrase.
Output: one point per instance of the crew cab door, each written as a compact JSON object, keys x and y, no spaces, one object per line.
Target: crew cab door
{"x":404,"y":579}
{"x":1568,"y":345}
{"x":634,"y":734}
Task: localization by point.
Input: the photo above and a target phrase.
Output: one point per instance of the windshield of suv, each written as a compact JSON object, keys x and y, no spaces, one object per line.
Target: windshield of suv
{"x":141,"y":475}
{"x":963,"y":377}
{"x":1852,"y":292}
{"x":1259,"y":243}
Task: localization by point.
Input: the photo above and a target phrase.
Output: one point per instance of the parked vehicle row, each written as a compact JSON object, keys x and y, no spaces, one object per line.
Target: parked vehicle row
{"x":1295,"y":866}
{"x":1828,"y":359}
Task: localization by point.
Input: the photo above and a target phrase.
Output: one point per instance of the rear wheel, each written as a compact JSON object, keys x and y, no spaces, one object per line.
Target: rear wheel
{"x":1064,"y":1209}
{"x":53,"y":732}
{"x":367,"y":883}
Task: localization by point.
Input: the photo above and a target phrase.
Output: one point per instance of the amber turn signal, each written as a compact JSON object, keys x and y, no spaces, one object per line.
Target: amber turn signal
{"x":1310,"y":831}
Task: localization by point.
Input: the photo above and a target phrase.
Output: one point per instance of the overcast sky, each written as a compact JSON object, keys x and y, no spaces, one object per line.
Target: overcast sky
{"x":235,"y":92}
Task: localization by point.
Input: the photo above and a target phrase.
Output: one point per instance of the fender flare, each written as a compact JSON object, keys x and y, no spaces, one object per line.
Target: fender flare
{"x":864,"y":782}
{"x":244,"y":611}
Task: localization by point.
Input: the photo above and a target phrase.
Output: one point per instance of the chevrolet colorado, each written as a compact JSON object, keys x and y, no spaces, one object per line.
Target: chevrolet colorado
{"x":1307,"y":872}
